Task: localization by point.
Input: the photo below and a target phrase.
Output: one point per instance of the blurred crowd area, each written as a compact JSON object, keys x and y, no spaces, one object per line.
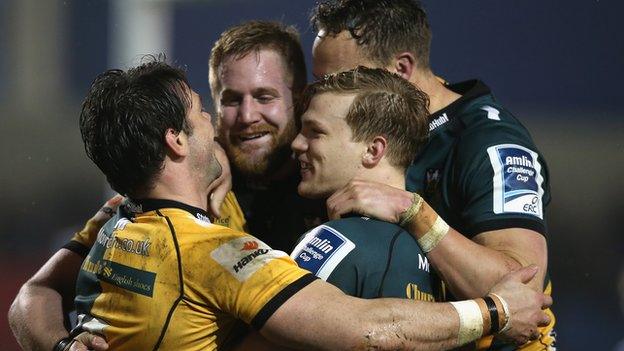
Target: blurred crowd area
{"x":558,"y":68}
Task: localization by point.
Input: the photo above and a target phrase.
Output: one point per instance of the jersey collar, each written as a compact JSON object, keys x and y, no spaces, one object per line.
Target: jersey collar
{"x":136,"y":206}
{"x":469,"y":90}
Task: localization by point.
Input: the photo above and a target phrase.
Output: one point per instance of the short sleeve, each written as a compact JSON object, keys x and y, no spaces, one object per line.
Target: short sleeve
{"x":248,"y":279}
{"x":83,"y":240}
{"x":499,"y":179}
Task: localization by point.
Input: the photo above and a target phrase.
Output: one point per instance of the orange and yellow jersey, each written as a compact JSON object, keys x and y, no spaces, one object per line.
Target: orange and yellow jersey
{"x":164,"y":277}
{"x":231,"y":216}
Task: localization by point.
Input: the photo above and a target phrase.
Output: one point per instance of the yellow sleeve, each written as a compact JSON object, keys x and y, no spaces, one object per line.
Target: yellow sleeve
{"x":231,"y":214}
{"x":83,"y":240}
{"x":247,"y":279}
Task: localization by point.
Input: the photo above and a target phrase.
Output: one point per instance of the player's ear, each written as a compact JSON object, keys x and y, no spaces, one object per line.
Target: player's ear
{"x":177,"y":142}
{"x":375,"y":151}
{"x":404,"y":64}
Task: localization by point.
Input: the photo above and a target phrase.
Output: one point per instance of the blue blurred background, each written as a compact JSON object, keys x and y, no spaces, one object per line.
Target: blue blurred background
{"x":557,"y":65}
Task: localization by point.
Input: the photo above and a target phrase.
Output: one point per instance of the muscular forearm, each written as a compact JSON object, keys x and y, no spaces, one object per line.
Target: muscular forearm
{"x":36,"y":317}
{"x":468,"y":269}
{"x":471,"y":267}
{"x":354,"y":324}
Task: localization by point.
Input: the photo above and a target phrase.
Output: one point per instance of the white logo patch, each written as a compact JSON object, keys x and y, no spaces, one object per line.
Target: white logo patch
{"x":492,"y":112}
{"x":517,"y":180}
{"x":244,"y":256}
{"x":321,"y":250}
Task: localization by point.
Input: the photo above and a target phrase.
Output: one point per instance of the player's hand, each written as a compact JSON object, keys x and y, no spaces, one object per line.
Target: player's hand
{"x":105,"y":213}
{"x":220,"y":186}
{"x":525,"y":305}
{"x":370,"y":199}
{"x":86,"y":341}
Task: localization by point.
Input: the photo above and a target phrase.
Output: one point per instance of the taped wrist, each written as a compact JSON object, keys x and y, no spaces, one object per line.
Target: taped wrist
{"x":407,"y":215}
{"x":504,"y":319}
{"x":435,"y":234}
{"x":470,"y":321}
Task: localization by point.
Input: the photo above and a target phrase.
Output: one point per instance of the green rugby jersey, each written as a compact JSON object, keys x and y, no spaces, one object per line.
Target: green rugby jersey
{"x":367,"y":258}
{"x":481,"y":171}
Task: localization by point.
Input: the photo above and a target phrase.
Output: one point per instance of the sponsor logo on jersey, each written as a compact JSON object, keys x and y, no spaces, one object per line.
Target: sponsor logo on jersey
{"x":125,"y":277}
{"x":321,"y":250}
{"x":137,"y":247}
{"x":517,"y":180}
{"x":244,"y":256}
{"x":423,"y":263}
{"x":202,"y":217}
{"x":412,"y":292}
{"x":440,"y":120}
{"x":250,"y":245}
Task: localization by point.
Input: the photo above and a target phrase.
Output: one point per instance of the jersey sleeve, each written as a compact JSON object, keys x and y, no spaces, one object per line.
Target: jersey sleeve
{"x":247,"y":279}
{"x":83,"y":240}
{"x":329,"y":255}
{"x":500,"y":179}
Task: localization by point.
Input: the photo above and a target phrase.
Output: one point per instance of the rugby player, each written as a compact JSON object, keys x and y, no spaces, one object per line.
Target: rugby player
{"x":365,"y":123}
{"x":480,"y":169}
{"x":257,"y":71}
{"x":162,"y":276}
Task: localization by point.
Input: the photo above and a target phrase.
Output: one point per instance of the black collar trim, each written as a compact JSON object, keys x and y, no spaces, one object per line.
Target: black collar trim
{"x":468,"y":90}
{"x":146,"y":205}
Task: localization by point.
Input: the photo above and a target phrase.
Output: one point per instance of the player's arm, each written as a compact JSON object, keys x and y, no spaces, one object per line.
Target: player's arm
{"x":469,"y":267}
{"x":37,"y":314}
{"x":320,"y":316}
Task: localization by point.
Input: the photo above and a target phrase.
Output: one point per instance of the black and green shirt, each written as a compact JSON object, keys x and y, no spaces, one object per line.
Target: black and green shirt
{"x":367,"y":258}
{"x":481,"y":170}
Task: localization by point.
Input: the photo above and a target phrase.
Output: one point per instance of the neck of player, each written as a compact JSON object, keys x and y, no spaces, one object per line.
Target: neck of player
{"x":439,"y":95}
{"x":179,"y":182}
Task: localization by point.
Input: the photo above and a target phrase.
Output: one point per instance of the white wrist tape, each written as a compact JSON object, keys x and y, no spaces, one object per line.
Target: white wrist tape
{"x":431,"y":238}
{"x":507,"y":323}
{"x":470,"y":321}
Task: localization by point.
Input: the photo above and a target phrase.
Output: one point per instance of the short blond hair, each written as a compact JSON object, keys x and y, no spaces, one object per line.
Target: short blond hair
{"x":385,"y":104}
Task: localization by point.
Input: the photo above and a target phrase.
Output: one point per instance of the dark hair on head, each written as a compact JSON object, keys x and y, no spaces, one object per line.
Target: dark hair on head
{"x":125,"y":116}
{"x":252,"y":37}
{"x":382,"y":28}
{"x":385,"y":104}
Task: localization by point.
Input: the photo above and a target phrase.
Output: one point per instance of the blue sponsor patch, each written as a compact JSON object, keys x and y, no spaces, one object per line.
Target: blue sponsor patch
{"x":321,"y":250}
{"x":517,"y":180}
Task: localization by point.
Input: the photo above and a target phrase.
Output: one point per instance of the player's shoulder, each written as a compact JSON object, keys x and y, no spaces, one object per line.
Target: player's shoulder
{"x":361,"y":229}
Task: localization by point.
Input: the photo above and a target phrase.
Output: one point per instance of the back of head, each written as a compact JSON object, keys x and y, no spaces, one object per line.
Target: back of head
{"x":252,"y":37}
{"x":124,"y":118}
{"x":385,"y":105}
{"x":381,"y":28}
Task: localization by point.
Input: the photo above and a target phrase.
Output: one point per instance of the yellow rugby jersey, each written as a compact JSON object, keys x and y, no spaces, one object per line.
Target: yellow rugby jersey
{"x":231,"y":217}
{"x":166,"y":278}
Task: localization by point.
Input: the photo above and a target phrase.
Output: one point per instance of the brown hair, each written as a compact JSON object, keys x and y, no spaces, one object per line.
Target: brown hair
{"x":381,"y":28}
{"x":385,"y":104}
{"x":253,"y":36}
